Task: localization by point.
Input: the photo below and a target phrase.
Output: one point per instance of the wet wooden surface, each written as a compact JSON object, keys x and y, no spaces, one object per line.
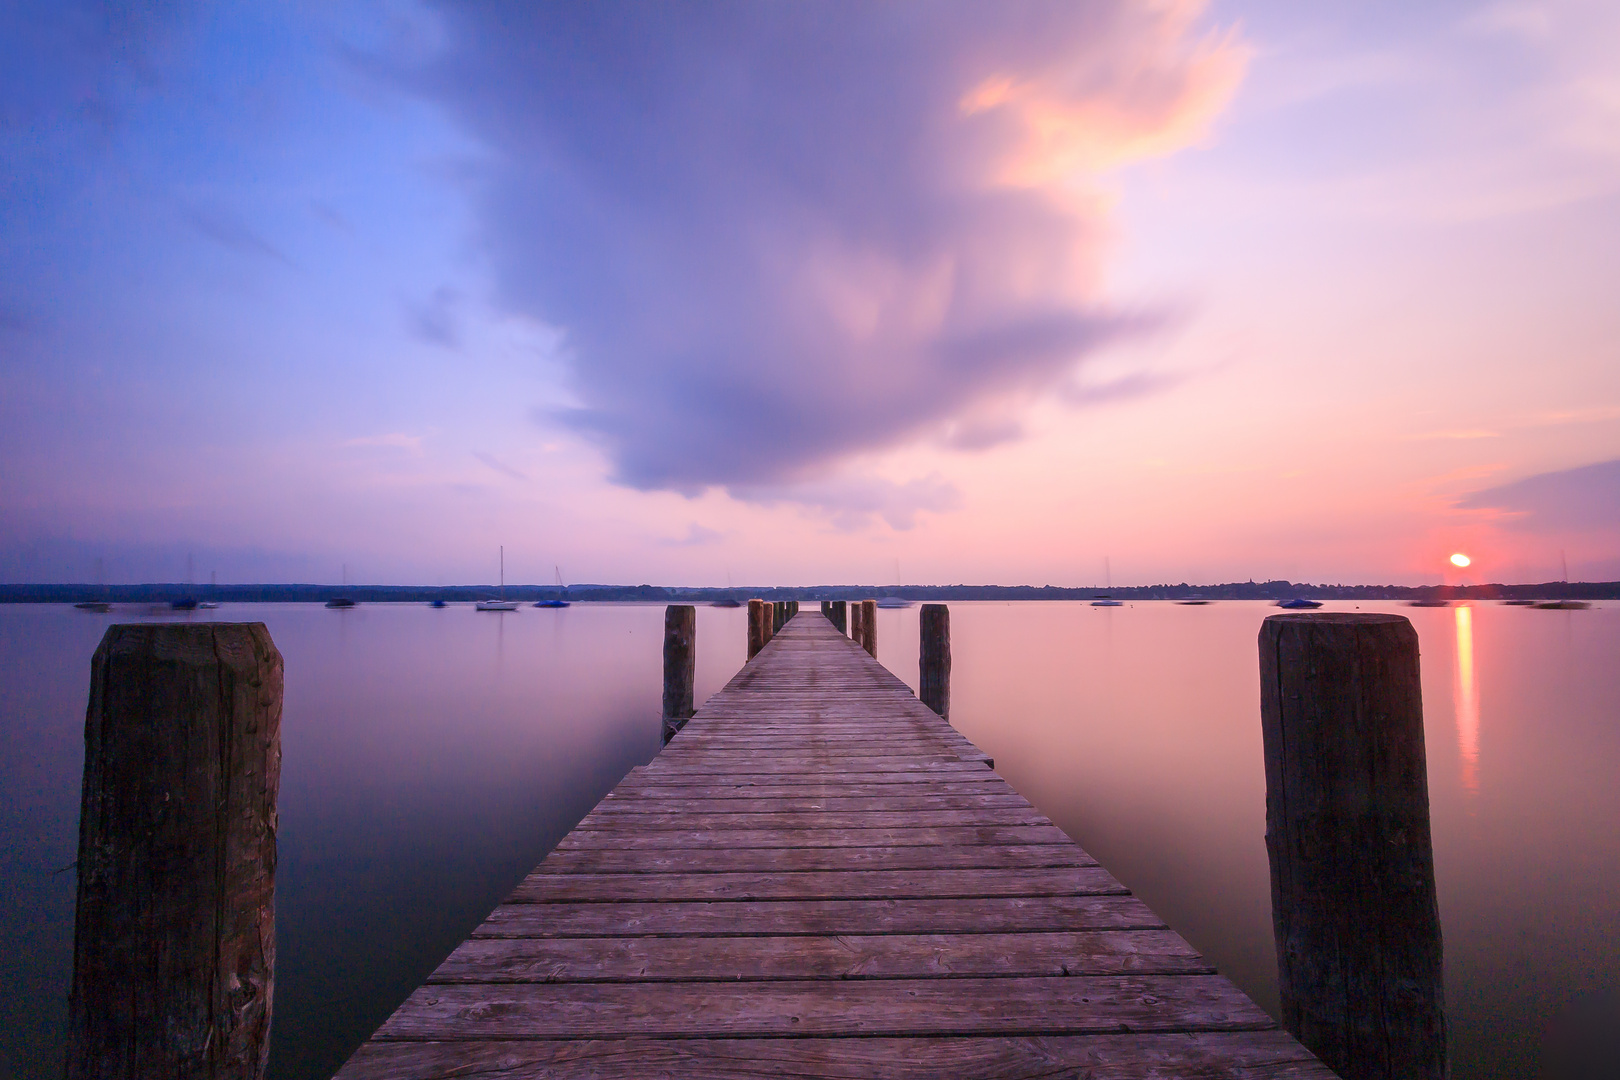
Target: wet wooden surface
{"x":820,"y":877}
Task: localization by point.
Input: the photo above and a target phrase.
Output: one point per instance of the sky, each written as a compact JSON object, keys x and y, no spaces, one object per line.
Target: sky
{"x":1123,"y":292}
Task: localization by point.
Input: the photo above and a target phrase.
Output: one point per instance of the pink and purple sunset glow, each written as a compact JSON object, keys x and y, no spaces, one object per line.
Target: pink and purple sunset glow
{"x":678,"y":293}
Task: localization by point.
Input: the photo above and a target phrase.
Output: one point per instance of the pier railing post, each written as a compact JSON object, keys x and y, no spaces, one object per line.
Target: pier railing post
{"x":869,"y":626}
{"x":934,"y":658}
{"x":839,"y":614}
{"x":855,"y":623}
{"x":174,"y":938}
{"x":680,"y":665}
{"x":758,"y":627}
{"x":1347,"y":831}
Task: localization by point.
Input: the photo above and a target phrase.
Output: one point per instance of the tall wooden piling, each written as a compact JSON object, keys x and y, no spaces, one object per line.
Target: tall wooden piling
{"x":869,"y":626}
{"x":680,"y":665}
{"x":934,"y":658}
{"x":758,"y":625}
{"x":174,"y":939}
{"x":839,"y":615}
{"x":770,"y":621}
{"x":1347,"y":831}
{"x":855,"y":623}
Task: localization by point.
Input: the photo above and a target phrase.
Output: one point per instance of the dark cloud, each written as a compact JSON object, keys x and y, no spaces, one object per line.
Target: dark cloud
{"x":779,"y":234}
{"x":1583,"y":498}
{"x":499,"y":466}
{"x":232,"y":233}
{"x":434,"y":320}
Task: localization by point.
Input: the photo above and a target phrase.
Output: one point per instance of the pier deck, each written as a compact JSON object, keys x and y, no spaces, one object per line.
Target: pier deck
{"x":820,"y":877}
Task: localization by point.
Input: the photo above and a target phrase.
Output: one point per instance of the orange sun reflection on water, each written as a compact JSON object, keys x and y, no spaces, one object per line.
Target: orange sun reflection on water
{"x":1467,"y":699}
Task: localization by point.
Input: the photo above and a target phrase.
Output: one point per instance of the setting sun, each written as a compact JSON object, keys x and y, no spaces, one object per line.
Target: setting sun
{"x":1460,"y":559}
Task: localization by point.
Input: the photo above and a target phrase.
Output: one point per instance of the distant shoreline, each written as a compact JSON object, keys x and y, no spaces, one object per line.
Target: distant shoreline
{"x":68,"y":593}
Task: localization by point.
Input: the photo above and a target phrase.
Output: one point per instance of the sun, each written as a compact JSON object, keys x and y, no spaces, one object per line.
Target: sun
{"x":1460,"y":559}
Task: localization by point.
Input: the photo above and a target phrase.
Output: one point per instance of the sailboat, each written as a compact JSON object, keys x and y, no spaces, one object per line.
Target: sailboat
{"x":503,"y":604}
{"x":894,"y":601}
{"x":561,"y":588}
{"x":1103,"y":599}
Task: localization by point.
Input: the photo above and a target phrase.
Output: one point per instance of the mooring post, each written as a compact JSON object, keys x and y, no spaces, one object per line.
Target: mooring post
{"x":869,"y":626}
{"x":1347,"y":830}
{"x":680,"y":664}
{"x":839,"y":615}
{"x":855,"y":623}
{"x":934,"y":658}
{"x":771,"y":616}
{"x":174,"y":937}
{"x":758,"y":621}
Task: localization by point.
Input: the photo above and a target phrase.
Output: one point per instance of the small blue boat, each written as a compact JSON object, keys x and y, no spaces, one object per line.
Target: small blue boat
{"x":437,"y":603}
{"x":552,"y":603}
{"x":1298,"y":602}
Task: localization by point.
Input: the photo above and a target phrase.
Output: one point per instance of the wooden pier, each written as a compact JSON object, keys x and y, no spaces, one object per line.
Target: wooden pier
{"x":818,"y":876}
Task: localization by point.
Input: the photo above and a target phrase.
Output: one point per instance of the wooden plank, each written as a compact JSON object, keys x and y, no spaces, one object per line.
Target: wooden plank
{"x":733,"y":839}
{"x":611,"y":860}
{"x":817,"y":885}
{"x":1027,"y":1006}
{"x":701,"y":807}
{"x":1259,"y":1055}
{"x":800,"y":820}
{"x":995,"y":914}
{"x":890,"y":956}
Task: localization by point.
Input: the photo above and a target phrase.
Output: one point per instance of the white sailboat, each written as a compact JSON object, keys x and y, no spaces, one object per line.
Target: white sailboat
{"x":503,"y":604}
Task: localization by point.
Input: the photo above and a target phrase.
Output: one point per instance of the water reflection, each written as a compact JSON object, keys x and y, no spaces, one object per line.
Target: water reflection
{"x":1466,"y":696}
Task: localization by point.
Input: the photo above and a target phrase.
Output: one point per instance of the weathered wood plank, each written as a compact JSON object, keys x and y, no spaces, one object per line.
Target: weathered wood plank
{"x":890,"y":956}
{"x":733,"y":839}
{"x":995,"y":914}
{"x":1029,"y":1006}
{"x":610,"y":860}
{"x":798,"y":820}
{"x":540,"y":888}
{"x":1259,"y":1055}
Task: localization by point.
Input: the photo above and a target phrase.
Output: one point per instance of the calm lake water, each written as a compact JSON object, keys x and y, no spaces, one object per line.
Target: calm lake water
{"x":432,"y":757}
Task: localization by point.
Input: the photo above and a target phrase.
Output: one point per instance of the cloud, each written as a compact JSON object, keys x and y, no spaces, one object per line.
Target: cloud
{"x":778,"y":235}
{"x":1137,"y":384}
{"x":852,"y":502}
{"x":696,"y":536}
{"x":231,"y":232}
{"x":396,"y":440}
{"x":499,"y":466}
{"x":434,"y":320}
{"x":1577,"y":499}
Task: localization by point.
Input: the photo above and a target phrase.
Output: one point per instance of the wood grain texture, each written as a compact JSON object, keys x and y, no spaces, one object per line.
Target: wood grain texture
{"x":1354,"y":909}
{"x":174,"y":936}
{"x":934,"y":659}
{"x":821,"y":878}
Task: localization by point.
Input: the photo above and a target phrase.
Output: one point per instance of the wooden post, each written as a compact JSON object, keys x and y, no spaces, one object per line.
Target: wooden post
{"x":174,"y":937}
{"x":855,"y":623}
{"x":680,"y":662}
{"x":934,"y":678}
{"x":758,"y":623}
{"x":1347,"y":831}
{"x":869,"y":626}
{"x":839,"y":615}
{"x":770,"y":620}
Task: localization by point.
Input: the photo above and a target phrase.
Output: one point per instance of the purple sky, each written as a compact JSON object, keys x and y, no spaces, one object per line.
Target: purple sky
{"x":786,"y":293}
